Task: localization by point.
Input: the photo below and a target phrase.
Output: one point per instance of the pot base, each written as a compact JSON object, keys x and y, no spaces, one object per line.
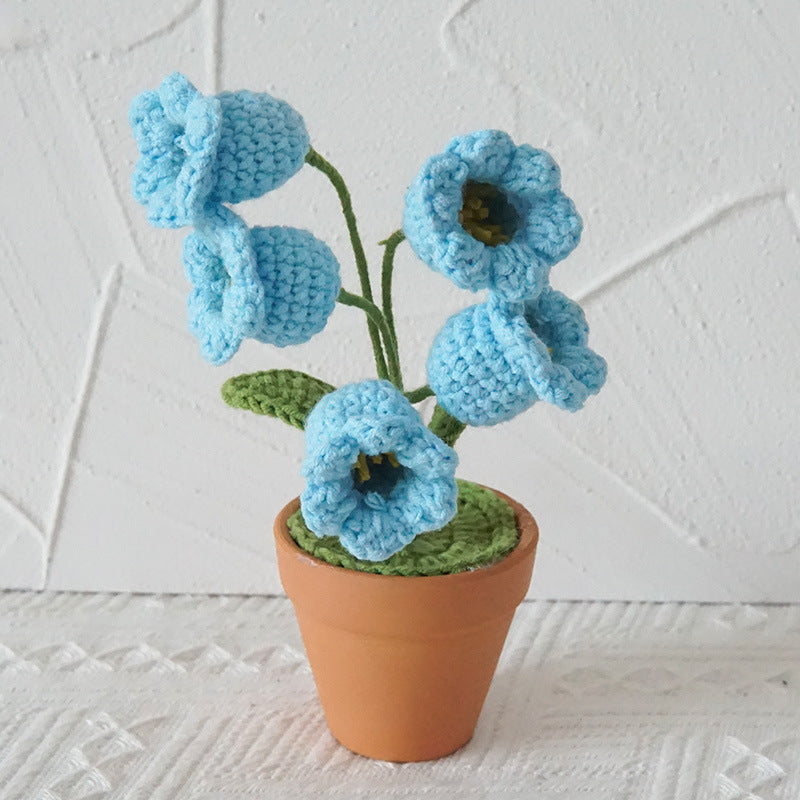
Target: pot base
{"x":406,"y":757}
{"x":406,"y":699}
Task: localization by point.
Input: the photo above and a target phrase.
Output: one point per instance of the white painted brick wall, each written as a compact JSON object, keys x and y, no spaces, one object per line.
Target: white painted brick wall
{"x":676,"y":126}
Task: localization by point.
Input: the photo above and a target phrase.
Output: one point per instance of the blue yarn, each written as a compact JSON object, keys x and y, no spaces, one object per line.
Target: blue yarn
{"x":374,"y":418}
{"x":224,"y":149}
{"x":547,"y":229}
{"x":492,"y":361}
{"x":278,"y":285}
{"x":300,"y":276}
{"x":227,"y":296}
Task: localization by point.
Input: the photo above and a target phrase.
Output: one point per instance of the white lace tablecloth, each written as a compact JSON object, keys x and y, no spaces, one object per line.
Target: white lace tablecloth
{"x":119,"y":696}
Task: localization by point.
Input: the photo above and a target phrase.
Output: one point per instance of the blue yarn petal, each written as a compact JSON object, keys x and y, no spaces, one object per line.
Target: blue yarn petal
{"x":518,"y":270}
{"x":494,"y":360}
{"x":552,"y":227}
{"x":557,"y":319}
{"x":547,"y":228}
{"x":227,"y":296}
{"x":473,"y":371}
{"x":374,"y":418}
{"x":278,"y":285}
{"x":264,"y":143}
{"x":177,"y":131}
{"x":464,"y":260}
{"x":197,"y":150}
{"x":176,"y":93}
{"x":200,"y":140}
{"x":532,"y":172}
{"x":586,"y":366}
{"x":300,"y":276}
{"x":487,"y":153}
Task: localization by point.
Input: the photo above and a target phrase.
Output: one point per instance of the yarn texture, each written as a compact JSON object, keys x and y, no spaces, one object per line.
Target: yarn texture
{"x":287,"y":394}
{"x":445,"y":426}
{"x":509,"y":196}
{"x":278,"y":285}
{"x":494,"y":360}
{"x":197,"y":150}
{"x":227,"y":297}
{"x":363,"y":427}
{"x":483,"y":531}
{"x":300,"y":276}
{"x":485,"y":212}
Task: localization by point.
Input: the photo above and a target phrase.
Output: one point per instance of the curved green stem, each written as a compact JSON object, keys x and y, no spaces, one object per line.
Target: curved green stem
{"x":314,"y":159}
{"x":415,"y":395}
{"x":446,"y":426}
{"x":392,"y":372}
{"x":391,"y":244}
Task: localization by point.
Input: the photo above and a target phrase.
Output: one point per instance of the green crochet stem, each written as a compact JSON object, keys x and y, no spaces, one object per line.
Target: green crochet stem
{"x":446,"y":426}
{"x":391,"y":244}
{"x":318,"y":162}
{"x":380,"y":323}
{"x":374,"y":314}
{"x":415,"y":395}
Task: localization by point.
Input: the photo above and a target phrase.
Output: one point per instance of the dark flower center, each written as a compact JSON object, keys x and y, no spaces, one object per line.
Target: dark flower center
{"x":539,"y":329}
{"x":487,"y":214}
{"x":379,"y":473}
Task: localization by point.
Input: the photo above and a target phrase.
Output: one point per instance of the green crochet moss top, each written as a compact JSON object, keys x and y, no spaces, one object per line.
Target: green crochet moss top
{"x":483,"y":531}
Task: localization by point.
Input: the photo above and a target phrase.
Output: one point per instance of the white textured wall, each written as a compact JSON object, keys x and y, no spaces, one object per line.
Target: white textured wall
{"x":676,"y":126}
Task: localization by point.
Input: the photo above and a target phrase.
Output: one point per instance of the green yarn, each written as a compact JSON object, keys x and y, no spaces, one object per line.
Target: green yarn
{"x":446,"y":426}
{"x":387,"y":267}
{"x":483,"y":531}
{"x":334,"y":176}
{"x":417,"y":395}
{"x":376,"y":316}
{"x":286,"y":394}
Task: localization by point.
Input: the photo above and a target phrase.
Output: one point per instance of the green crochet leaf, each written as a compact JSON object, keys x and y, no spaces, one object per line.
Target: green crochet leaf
{"x":483,"y":531}
{"x":283,"y":393}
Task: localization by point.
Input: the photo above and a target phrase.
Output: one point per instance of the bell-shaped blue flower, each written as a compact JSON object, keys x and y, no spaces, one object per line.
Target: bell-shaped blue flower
{"x":494,"y":360}
{"x":375,"y":475}
{"x":278,"y":285}
{"x":490,"y":214}
{"x":220,"y":149}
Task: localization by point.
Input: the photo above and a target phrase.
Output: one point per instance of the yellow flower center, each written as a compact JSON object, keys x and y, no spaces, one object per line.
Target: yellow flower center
{"x":486,"y":214}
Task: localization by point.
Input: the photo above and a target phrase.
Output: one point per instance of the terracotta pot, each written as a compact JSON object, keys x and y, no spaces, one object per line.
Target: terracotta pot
{"x":403,"y":664}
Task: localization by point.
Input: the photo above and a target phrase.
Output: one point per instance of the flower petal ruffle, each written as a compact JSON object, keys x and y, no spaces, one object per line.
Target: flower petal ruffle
{"x":227,"y":298}
{"x":548,"y":226}
{"x":278,"y":285}
{"x":198,"y":150}
{"x":373,"y":418}
{"x":178,"y":132}
{"x":494,"y":360}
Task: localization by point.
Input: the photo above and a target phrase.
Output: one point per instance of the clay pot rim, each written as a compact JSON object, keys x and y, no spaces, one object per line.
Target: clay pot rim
{"x":528,"y":541}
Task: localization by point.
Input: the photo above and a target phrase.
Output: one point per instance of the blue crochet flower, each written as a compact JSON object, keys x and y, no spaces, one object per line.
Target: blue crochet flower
{"x":489,"y":214}
{"x":494,"y":360}
{"x":224,"y":148}
{"x":277,"y":285}
{"x":375,"y":475}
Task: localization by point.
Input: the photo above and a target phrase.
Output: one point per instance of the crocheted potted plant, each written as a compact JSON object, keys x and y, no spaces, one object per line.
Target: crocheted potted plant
{"x":404,"y":579}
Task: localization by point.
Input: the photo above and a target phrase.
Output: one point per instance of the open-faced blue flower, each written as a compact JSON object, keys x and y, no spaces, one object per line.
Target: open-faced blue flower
{"x":375,"y":475}
{"x":490,"y":214}
{"x":224,"y":149}
{"x":278,"y":285}
{"x":494,"y":360}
